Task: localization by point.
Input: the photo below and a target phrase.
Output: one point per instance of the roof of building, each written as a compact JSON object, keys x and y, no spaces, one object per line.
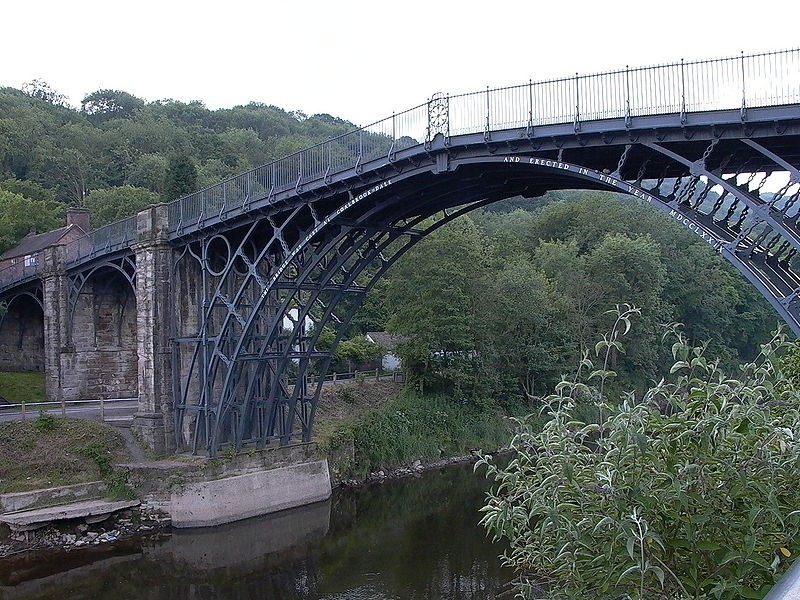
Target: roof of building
{"x":382,"y":338}
{"x":36,"y":242}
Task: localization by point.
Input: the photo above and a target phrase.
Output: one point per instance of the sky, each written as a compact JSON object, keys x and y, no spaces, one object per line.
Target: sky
{"x":357,"y":60}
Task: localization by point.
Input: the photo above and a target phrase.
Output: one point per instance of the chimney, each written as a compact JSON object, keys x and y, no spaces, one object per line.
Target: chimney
{"x":79,"y":217}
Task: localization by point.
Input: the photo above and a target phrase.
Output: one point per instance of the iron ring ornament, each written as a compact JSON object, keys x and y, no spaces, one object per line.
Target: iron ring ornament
{"x":438,"y":115}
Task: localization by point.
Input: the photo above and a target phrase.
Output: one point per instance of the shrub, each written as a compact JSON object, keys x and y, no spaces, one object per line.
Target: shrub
{"x":686,"y":492}
{"x":45,"y":422}
{"x":100,"y":455}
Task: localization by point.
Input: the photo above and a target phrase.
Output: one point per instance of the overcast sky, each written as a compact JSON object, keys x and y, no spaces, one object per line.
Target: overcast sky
{"x":360,"y":60}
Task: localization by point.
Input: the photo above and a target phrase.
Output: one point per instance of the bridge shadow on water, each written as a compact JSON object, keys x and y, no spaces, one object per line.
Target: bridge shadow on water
{"x":414,"y":539}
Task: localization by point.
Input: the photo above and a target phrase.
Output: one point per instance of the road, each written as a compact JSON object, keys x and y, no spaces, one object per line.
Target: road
{"x":118,"y":412}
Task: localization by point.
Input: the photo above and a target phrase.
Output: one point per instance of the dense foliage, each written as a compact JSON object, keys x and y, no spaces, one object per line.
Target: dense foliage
{"x":500,"y":304}
{"x":493,"y":305}
{"x":116,"y":142}
{"x":688,"y":491}
{"x":413,"y":427}
{"x":19,"y":215}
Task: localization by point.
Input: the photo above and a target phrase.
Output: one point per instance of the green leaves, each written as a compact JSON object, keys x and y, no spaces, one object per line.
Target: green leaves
{"x":685,"y":491}
{"x":18,"y":215}
{"x":115,"y":203}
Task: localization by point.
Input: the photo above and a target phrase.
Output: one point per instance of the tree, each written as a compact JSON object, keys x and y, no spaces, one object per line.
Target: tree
{"x":688,"y":491}
{"x":526,"y":339}
{"x":41,"y":90}
{"x":357,"y":351}
{"x":112,"y":204}
{"x":181,"y":177}
{"x":148,"y":171}
{"x":104,"y":105}
{"x":242,"y":148}
{"x":28,"y":189}
{"x":431,"y":297}
{"x":18,"y":215}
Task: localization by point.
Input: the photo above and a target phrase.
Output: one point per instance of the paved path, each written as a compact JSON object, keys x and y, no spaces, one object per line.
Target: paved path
{"x":117,"y":412}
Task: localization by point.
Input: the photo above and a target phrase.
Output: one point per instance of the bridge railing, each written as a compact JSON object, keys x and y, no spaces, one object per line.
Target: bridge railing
{"x":352,"y":149}
{"x":108,"y":238}
{"x":739,"y":82}
{"x":20,"y":269}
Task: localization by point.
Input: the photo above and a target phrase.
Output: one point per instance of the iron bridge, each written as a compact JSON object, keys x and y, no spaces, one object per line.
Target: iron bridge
{"x":261,"y":262}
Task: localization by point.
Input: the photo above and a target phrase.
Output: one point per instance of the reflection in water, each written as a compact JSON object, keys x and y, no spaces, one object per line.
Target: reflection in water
{"x":413,"y":539}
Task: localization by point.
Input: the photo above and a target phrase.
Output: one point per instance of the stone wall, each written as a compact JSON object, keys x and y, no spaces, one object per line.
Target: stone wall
{"x":187,"y":283}
{"x":153,"y":421}
{"x":22,"y":336}
{"x":99,"y":359}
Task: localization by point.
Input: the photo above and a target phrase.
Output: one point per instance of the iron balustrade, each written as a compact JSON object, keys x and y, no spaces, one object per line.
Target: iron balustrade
{"x":739,"y":82}
{"x":103,"y":240}
{"x":115,"y":236}
{"x":21,"y":269}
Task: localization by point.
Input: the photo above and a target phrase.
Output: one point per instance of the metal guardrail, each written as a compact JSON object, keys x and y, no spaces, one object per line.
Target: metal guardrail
{"x":396,"y":376}
{"x":739,"y":82}
{"x":788,"y":586}
{"x":103,"y":240}
{"x":22,"y":269}
{"x":27,"y":410}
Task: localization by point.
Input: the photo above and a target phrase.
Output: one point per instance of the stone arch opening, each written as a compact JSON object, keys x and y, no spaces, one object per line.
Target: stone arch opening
{"x":100,"y":359}
{"x":22,"y":334}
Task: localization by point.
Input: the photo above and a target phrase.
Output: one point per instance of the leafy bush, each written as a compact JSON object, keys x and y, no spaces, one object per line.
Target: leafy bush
{"x":346,"y":394}
{"x":45,"y":422}
{"x":686,"y":492}
{"x":423,"y":427}
{"x":100,"y":455}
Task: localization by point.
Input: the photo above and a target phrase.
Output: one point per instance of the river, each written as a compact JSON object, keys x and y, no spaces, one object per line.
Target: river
{"x":412,"y":539}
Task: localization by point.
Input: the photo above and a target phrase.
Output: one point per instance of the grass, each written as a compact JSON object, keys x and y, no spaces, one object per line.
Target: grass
{"x":17,"y":388}
{"x":410,"y":427}
{"x":345,"y":403}
{"x":50,"y":451}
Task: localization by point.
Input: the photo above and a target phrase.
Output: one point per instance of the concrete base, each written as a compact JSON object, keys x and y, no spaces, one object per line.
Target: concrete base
{"x":91,"y":510}
{"x":219,"y":501}
{"x":242,"y":547}
{"x":52,"y":496}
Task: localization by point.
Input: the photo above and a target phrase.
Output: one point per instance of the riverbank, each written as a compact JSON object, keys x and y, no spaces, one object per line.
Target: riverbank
{"x":149,"y":519}
{"x":369,"y":432}
{"x":407,"y":427}
{"x":332,"y":549}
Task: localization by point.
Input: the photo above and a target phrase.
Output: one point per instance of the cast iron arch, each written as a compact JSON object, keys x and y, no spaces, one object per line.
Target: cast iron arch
{"x":317,"y":262}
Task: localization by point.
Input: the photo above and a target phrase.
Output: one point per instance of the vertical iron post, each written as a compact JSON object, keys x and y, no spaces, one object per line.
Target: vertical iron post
{"x":627,"y":97}
{"x":683,"y":94}
{"x":743,"y":112}
{"x":530,"y":106}
{"x":328,"y":169}
{"x":487,"y":128}
{"x":576,"y":125}
{"x":447,"y":124}
{"x":394,"y":138}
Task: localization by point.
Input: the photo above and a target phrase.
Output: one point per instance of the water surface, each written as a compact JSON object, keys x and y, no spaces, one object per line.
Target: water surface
{"x":412,"y":539}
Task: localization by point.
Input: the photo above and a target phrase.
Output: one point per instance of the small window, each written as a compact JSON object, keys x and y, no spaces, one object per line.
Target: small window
{"x":31,"y":260}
